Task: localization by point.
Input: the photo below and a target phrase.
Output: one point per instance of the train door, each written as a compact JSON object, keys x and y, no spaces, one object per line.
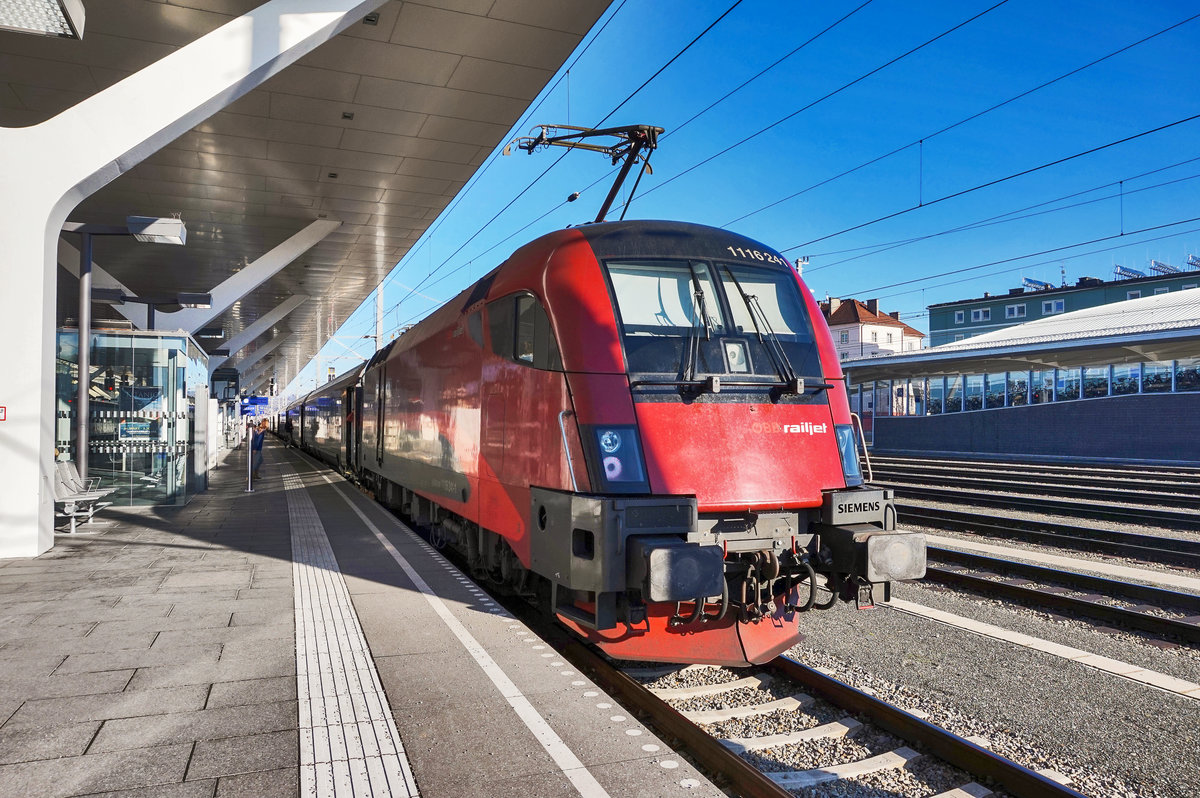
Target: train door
{"x":381,"y":397}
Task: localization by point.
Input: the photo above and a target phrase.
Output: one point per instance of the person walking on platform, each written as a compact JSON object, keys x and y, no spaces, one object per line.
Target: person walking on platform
{"x":258,"y":436}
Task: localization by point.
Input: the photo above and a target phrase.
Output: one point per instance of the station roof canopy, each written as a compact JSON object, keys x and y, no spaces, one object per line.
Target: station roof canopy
{"x":1154,"y":328}
{"x":378,"y":129}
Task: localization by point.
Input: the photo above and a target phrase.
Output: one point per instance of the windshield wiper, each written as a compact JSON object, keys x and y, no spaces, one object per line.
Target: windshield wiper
{"x":693,"y":341}
{"x":770,"y":342}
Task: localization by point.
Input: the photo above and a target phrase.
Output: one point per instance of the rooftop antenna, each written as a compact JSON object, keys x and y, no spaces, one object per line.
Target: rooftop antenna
{"x":633,"y":143}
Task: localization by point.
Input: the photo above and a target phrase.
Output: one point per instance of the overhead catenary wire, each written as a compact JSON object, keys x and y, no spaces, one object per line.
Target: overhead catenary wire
{"x":823,"y":98}
{"x":607,"y":116}
{"x":997,"y":181}
{"x":1012,"y":216}
{"x":965,"y":120}
{"x":1024,"y":266}
{"x":1039,"y":253}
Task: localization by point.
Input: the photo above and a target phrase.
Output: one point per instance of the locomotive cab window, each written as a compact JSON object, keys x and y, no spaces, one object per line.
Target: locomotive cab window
{"x":520,"y":331}
{"x":688,"y":318}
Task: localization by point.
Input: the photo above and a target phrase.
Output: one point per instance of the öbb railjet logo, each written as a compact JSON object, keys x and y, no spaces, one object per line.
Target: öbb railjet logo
{"x":803,"y":428}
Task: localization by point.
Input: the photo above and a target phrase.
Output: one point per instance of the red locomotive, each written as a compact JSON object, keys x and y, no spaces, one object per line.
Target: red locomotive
{"x":645,"y":421}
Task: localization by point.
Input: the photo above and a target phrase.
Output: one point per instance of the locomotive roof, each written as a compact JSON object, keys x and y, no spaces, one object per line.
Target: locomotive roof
{"x":664,"y":239}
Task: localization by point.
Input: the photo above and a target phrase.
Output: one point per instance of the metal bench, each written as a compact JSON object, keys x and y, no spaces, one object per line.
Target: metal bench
{"x":73,"y":497}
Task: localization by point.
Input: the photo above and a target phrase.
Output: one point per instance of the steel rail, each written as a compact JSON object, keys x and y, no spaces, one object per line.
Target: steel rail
{"x":1151,"y":548}
{"x":958,"y":751}
{"x":714,"y":757}
{"x":1183,"y":473}
{"x":1093,"y":610}
{"x":1099,"y":492}
{"x":1113,"y":588}
{"x":1163,"y":485}
{"x":1135,"y":515}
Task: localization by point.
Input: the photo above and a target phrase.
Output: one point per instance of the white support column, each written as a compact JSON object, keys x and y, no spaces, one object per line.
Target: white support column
{"x":249,"y":278}
{"x":264,"y":323}
{"x":47,"y":169}
{"x":379,"y":317}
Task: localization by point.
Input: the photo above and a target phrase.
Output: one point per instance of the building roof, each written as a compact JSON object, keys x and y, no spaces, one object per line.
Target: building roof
{"x":1082,"y":284}
{"x":851,"y":311}
{"x":1152,"y":328}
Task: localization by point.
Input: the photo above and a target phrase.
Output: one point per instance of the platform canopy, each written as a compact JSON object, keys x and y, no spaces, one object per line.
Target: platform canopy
{"x":337,"y":164}
{"x":1162,"y":327}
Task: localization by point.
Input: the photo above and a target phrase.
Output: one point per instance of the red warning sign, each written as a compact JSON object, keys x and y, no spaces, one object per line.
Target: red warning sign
{"x":3,"y":413}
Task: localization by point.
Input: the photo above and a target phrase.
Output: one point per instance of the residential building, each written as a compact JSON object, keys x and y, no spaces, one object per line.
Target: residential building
{"x":967,"y":318}
{"x":860,"y":330}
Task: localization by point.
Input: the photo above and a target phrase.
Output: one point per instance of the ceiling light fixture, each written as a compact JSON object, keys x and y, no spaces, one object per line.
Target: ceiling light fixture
{"x":155,"y":230}
{"x":63,"y":18}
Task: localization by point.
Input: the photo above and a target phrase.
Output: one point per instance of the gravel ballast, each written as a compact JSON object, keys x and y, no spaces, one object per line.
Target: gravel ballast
{"x":1114,"y":737}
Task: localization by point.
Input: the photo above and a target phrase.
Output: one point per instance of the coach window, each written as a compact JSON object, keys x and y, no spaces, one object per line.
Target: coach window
{"x":535,"y":343}
{"x":500,"y":326}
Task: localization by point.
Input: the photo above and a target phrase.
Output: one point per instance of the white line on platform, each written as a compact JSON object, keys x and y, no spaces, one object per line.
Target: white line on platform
{"x":1116,"y":667}
{"x":349,"y":745}
{"x":1143,"y":575}
{"x":564,"y":757}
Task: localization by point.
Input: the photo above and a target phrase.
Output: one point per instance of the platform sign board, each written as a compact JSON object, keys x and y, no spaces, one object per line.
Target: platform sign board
{"x":254,"y":405}
{"x":136,"y":431}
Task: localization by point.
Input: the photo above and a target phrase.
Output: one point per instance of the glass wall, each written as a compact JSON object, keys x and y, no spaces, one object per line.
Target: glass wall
{"x":937,"y":395}
{"x":1125,"y":378}
{"x":958,"y":392}
{"x":1095,"y":382}
{"x":1043,"y":386}
{"x":142,"y":409}
{"x":1018,"y":388}
{"x":1066,"y":384}
{"x":1156,"y":377}
{"x":954,"y":392}
{"x":1187,"y":374}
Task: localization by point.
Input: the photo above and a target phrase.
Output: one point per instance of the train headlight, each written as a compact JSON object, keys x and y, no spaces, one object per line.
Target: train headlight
{"x":610,"y":441}
{"x":620,"y":459}
{"x":849,"y":453}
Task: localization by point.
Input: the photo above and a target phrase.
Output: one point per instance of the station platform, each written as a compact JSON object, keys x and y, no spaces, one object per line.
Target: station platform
{"x":296,"y":639}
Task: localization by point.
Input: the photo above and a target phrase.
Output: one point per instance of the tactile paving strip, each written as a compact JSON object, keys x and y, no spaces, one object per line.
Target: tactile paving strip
{"x":349,"y":745}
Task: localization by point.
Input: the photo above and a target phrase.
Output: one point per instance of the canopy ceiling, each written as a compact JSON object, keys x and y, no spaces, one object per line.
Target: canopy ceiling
{"x":378,"y":128}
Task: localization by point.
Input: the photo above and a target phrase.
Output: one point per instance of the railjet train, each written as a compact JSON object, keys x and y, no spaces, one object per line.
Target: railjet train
{"x":644,"y":423}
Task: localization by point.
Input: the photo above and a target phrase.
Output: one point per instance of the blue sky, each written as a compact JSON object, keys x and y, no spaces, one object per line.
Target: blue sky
{"x":1009,"y":49}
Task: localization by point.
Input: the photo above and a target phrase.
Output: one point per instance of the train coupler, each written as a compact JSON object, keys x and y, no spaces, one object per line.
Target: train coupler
{"x":864,"y":598}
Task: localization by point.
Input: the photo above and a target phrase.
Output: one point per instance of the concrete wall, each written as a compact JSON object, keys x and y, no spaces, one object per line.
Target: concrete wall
{"x":1139,"y":427}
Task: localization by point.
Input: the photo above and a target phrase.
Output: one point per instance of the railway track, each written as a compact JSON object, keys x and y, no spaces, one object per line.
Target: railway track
{"x":1150,"y":548}
{"x":1161,"y":494}
{"x":1168,"y":519}
{"x":1072,"y":470}
{"x":732,"y":759}
{"x":1038,"y":585}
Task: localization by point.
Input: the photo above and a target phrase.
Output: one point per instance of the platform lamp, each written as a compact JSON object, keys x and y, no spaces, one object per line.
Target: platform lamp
{"x":62,"y":18}
{"x":149,"y":229}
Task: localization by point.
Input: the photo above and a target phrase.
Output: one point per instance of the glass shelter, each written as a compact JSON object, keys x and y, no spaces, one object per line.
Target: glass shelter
{"x":148,"y":409}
